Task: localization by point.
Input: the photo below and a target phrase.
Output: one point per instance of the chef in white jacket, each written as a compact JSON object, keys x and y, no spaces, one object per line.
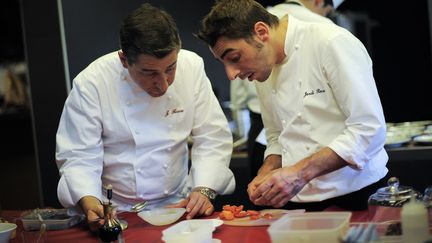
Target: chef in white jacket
{"x":323,"y":118}
{"x":127,"y":120}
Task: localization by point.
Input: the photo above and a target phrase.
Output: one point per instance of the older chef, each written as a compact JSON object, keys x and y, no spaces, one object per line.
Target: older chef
{"x":321,"y":110}
{"x":127,"y":121}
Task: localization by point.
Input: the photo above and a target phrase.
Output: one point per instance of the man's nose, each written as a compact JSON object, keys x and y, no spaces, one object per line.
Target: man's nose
{"x":162,"y":82}
{"x":231,"y":72}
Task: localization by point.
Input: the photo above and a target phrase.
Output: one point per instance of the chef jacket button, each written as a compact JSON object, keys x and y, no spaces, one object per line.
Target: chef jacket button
{"x":284,"y":150}
{"x":299,"y":114}
{"x":307,"y":148}
{"x":128,"y":103}
{"x":273,"y":91}
{"x":297,"y":46}
{"x":166,"y":192}
{"x":169,"y":96}
{"x":283,"y":121}
{"x":137,"y":132}
{"x":169,"y":149}
{"x":165,"y":166}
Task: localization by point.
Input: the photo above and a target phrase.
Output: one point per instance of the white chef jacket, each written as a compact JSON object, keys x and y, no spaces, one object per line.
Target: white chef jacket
{"x":113,"y":132}
{"x":324,"y":95}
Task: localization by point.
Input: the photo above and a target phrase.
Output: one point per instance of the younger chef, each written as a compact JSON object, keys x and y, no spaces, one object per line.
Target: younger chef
{"x":321,"y":111}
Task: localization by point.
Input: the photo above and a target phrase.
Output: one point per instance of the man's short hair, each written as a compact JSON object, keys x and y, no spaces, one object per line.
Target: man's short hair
{"x":148,"y":30}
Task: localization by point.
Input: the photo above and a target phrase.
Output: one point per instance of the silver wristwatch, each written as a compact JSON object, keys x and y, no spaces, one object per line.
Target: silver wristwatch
{"x":208,"y":192}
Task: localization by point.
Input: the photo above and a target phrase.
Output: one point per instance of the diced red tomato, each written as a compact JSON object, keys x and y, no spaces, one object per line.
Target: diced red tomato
{"x":252,"y":212}
{"x":240,"y":214}
{"x":226,"y":215}
{"x":268,"y":216}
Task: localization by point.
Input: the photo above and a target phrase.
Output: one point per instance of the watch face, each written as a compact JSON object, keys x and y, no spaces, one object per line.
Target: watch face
{"x":208,"y":193}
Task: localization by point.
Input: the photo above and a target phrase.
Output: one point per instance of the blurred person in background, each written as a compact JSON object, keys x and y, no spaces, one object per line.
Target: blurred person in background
{"x":306,"y":10}
{"x":321,"y":110}
{"x":127,"y":120}
{"x":244,"y":97}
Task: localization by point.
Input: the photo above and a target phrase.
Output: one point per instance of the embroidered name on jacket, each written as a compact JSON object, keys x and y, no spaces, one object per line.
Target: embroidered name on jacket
{"x":313,"y":92}
{"x":173,"y":111}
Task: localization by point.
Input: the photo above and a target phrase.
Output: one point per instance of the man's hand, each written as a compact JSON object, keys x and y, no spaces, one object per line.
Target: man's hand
{"x":277,"y":187}
{"x":93,"y":210}
{"x":196,"y":205}
{"x":271,"y":163}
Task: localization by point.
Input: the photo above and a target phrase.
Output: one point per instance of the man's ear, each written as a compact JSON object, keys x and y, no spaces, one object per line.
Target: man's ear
{"x":261,"y":30}
{"x":123,"y":59}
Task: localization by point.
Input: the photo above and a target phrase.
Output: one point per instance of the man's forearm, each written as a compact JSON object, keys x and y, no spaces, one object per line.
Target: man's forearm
{"x":272,"y":162}
{"x":319,"y":163}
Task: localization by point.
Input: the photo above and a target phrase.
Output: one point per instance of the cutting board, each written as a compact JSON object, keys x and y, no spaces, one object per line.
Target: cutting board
{"x":277,"y":213}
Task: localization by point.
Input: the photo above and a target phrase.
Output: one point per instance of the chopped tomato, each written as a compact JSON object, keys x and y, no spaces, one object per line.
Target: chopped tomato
{"x":268,"y":216}
{"x":240,"y":214}
{"x":254,"y":217}
{"x":226,"y":215}
{"x":238,"y":209}
{"x":252,"y":212}
{"x":226,"y":207}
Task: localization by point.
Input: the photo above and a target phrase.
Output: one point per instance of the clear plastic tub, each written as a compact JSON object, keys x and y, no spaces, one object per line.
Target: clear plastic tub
{"x":327,"y":227}
{"x":54,"y":219}
{"x":189,"y":231}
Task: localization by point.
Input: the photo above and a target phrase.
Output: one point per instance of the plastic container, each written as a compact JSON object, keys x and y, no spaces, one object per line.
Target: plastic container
{"x":311,"y":227}
{"x":189,"y":231}
{"x":54,"y":219}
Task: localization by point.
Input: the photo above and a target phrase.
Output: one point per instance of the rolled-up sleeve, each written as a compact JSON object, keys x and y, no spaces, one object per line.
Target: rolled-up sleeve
{"x":349,"y":71}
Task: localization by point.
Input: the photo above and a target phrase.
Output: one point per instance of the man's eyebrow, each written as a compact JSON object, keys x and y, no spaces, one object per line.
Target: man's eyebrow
{"x":226,"y":52}
{"x":172,"y":64}
{"x":154,"y":70}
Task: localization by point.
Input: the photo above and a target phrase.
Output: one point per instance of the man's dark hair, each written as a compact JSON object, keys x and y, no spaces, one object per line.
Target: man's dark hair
{"x":233,"y":19}
{"x":148,"y":30}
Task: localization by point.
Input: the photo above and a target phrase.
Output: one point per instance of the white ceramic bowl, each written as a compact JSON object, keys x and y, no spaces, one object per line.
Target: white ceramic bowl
{"x":161,"y":216}
{"x":6,"y":230}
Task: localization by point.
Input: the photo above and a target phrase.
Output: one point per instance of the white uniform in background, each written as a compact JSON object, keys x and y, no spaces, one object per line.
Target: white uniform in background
{"x":113,"y":132}
{"x":298,"y":10}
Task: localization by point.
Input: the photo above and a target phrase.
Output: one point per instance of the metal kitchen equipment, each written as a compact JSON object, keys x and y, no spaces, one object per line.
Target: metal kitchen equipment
{"x":387,"y":202}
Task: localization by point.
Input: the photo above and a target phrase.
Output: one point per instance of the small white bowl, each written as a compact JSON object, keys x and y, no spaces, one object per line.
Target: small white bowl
{"x":6,"y":230}
{"x":161,"y":216}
